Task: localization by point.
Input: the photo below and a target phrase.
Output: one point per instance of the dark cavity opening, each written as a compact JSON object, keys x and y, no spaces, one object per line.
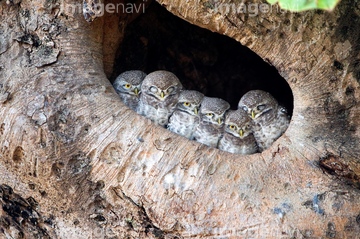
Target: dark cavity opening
{"x":213,"y":64}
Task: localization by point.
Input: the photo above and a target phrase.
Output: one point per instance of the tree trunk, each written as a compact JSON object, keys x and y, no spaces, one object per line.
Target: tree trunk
{"x":76,"y":163}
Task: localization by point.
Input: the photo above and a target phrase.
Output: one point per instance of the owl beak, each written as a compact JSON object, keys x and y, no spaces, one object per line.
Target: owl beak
{"x":219,"y":120}
{"x":162,"y":94}
{"x":196,"y":110}
{"x":241,"y":132}
{"x":253,"y":114}
{"x":136,"y":91}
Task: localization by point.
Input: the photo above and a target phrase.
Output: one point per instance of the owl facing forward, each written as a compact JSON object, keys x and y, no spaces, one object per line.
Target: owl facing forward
{"x":271,"y":119}
{"x":128,"y":85}
{"x":186,"y":115}
{"x":238,"y":135}
{"x":159,"y":95}
{"x":210,"y":128}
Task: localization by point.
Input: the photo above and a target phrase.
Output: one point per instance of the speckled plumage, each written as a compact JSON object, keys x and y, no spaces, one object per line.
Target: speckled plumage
{"x":186,"y":117}
{"x":128,"y":85}
{"x":238,"y":135}
{"x":271,"y":119}
{"x":159,"y":95}
{"x":210,"y":128}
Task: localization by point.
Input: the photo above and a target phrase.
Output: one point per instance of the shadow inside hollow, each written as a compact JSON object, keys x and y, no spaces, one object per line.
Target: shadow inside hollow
{"x":205,"y":61}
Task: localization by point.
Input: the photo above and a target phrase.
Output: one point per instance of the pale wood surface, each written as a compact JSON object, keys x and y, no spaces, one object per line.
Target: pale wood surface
{"x":98,"y":170}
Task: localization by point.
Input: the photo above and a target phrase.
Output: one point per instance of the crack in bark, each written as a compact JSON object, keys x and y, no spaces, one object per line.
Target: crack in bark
{"x":21,"y":215}
{"x":334,"y":166}
{"x":233,"y":23}
{"x":146,"y":221}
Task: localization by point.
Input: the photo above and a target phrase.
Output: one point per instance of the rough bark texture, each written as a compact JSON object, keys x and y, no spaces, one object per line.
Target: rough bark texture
{"x":76,"y":163}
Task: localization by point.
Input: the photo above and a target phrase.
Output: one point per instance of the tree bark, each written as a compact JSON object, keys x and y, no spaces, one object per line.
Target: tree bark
{"x":76,"y":163}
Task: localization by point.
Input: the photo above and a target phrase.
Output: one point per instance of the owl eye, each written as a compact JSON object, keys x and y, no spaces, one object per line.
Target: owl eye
{"x":232,"y":127}
{"x":245,"y":108}
{"x":260,"y":107}
{"x":209,"y":114}
{"x":247,"y":126}
{"x":170,"y":89}
{"x":153,"y":89}
{"x":283,"y":110}
{"x":127,"y":86}
{"x":187,"y":104}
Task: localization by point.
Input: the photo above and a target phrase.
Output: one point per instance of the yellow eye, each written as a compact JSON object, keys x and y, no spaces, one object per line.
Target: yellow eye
{"x":232,"y":126}
{"x":209,"y":114}
{"x":187,"y":104}
{"x":127,"y":86}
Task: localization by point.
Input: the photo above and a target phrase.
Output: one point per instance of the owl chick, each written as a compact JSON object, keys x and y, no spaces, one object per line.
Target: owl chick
{"x":238,"y":135}
{"x":186,"y":115}
{"x":127,"y":85}
{"x":159,"y":95}
{"x":271,"y":119}
{"x":210,"y":128}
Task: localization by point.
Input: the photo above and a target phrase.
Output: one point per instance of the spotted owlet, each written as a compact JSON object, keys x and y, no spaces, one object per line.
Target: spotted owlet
{"x":159,"y":95}
{"x":238,"y":135}
{"x":271,"y":120}
{"x":127,"y":85}
{"x":210,"y":128}
{"x":186,"y":115}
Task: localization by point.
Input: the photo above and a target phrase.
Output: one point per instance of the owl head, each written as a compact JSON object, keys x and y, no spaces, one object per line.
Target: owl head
{"x":238,"y":123}
{"x":129,"y":82}
{"x":258,"y":103}
{"x":213,"y":110}
{"x":189,"y":101}
{"x":161,"y":85}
